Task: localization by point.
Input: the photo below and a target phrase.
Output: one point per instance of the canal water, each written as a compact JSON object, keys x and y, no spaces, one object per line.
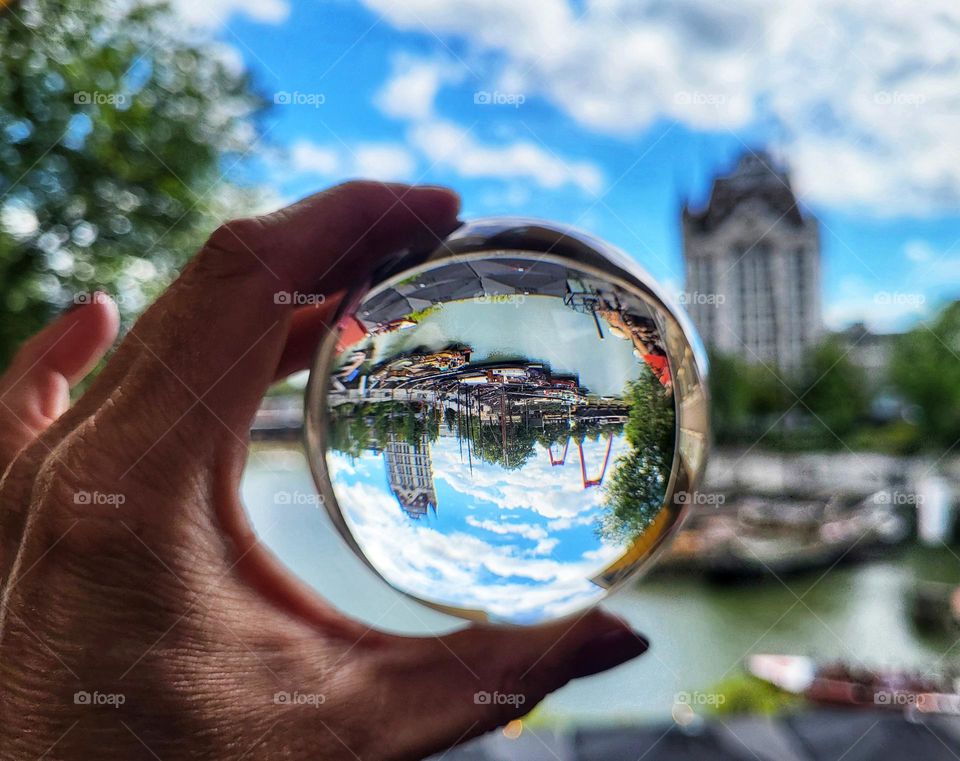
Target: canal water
{"x":700,"y":632}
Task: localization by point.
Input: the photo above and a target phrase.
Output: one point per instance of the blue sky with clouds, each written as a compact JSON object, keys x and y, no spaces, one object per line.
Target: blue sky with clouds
{"x":606,"y":114}
{"x":490,"y":546}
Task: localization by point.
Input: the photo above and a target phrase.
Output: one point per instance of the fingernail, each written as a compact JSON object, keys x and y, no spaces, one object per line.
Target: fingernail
{"x":610,"y":650}
{"x":442,"y":188}
{"x":86,"y":299}
{"x":611,"y":622}
{"x":627,"y":641}
{"x":450,"y":192}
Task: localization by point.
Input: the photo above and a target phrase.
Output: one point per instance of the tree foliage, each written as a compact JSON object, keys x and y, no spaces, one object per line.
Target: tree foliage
{"x":818,"y":406}
{"x":355,"y":427}
{"x":834,"y":389}
{"x":745,"y":398}
{"x":116,"y":130}
{"x":634,"y":494}
{"x":925,"y":368}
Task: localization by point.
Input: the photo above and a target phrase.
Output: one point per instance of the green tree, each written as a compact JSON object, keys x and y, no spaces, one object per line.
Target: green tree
{"x":834,"y":389}
{"x":745,"y":398}
{"x":729,"y":397}
{"x":634,"y":494}
{"x":510,"y":446}
{"x":925,"y":369}
{"x":116,"y":130}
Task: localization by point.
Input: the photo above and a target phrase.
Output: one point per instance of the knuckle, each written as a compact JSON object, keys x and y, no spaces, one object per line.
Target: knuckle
{"x":358,"y":204}
{"x":237,"y":234}
{"x":234,"y":249}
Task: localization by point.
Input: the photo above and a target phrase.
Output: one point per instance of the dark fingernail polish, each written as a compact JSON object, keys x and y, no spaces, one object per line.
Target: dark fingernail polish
{"x":610,"y":650}
{"x":629,"y":642}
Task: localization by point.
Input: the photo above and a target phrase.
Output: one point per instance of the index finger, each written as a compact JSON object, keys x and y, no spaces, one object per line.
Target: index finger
{"x":200,"y":359}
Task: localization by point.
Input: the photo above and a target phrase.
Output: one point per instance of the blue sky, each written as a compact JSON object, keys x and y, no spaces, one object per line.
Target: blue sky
{"x":606,"y":114}
{"x":494,"y":544}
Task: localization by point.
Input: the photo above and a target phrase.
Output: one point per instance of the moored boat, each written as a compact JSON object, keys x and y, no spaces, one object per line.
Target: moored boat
{"x":856,"y":687}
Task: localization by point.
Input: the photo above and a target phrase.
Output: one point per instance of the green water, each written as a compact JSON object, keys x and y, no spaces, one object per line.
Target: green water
{"x":700,"y":632}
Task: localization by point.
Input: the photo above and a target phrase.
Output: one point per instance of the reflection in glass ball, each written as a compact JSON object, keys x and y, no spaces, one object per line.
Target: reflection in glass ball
{"x":495,"y":431}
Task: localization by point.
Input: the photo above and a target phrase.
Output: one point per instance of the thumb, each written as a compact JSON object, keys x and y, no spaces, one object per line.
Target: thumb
{"x":35,"y":389}
{"x":477,"y":679}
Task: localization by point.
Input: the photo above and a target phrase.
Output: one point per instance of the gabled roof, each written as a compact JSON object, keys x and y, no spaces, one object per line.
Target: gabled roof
{"x":755,"y":178}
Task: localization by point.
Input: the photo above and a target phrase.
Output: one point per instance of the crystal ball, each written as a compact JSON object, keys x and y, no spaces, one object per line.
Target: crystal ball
{"x":510,"y":425}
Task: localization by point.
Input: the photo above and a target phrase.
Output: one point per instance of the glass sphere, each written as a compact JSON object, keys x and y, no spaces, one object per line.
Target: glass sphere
{"x":509,"y":426}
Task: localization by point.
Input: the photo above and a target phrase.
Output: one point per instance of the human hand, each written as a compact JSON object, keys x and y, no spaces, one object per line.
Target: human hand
{"x":140,"y":616}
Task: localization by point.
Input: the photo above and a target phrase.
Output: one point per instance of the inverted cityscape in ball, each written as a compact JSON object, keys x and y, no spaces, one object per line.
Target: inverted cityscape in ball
{"x":507,"y":427}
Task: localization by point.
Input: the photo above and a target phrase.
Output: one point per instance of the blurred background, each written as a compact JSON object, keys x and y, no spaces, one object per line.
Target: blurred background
{"x":789,"y":170}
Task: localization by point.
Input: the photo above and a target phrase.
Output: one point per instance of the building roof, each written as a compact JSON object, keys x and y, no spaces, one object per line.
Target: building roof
{"x":415,"y":504}
{"x":858,"y":334}
{"x":756,"y":177}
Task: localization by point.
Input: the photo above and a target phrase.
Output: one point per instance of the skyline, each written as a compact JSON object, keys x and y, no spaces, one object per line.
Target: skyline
{"x":410,"y":92}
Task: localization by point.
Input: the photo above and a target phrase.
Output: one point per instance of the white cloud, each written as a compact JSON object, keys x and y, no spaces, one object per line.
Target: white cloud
{"x":378,"y":161}
{"x":384,"y":161}
{"x":462,"y":569}
{"x":515,"y":195}
{"x":882,"y":310}
{"x":919,"y":251}
{"x":545,"y":544}
{"x":311,"y":158}
{"x":447,"y":145}
{"x":413,"y":87}
{"x":215,"y":13}
{"x":866,"y":93}
{"x":561,"y":496}
{"x":526,"y":530}
{"x":410,"y":95}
